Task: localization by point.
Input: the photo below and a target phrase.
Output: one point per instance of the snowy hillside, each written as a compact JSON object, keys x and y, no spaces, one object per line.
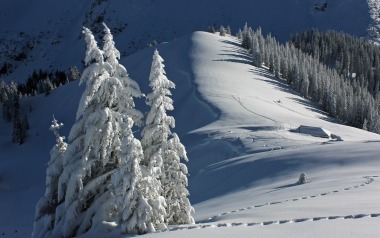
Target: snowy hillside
{"x":46,"y":35}
{"x":248,"y":136}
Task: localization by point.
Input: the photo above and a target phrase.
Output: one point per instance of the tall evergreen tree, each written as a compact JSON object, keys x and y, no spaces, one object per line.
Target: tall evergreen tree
{"x":74,"y":73}
{"x":19,"y":131}
{"x":6,"y":98}
{"x":174,"y":182}
{"x":112,"y":56}
{"x":18,"y":134}
{"x":3,"y":91}
{"x":131,"y":203}
{"x":222,"y":31}
{"x":162,"y":152}
{"x":131,"y":184}
{"x":246,"y":37}
{"x":211,"y":29}
{"x":256,"y":54}
{"x":47,"y":205}
{"x":305,"y":82}
{"x":228,"y":30}
{"x":86,"y":194}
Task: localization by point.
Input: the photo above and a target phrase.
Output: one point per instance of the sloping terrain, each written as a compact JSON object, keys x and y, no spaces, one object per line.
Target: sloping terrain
{"x":46,"y":34}
{"x":241,"y":128}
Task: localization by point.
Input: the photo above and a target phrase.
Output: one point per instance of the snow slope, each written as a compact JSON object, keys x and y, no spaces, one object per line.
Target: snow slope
{"x":49,"y":31}
{"x":239,"y":125}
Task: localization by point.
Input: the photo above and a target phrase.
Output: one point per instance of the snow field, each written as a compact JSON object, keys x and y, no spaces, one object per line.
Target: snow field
{"x":244,"y":159}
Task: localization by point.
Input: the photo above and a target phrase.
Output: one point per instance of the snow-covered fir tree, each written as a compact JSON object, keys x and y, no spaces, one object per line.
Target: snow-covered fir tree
{"x":161,"y":154}
{"x":211,"y":29}
{"x":174,"y":183}
{"x":86,"y":193}
{"x":46,"y":206}
{"x":228,"y":30}
{"x":131,"y":207}
{"x":74,"y":73}
{"x":256,"y":55}
{"x":112,"y":56}
{"x":222,"y":31}
{"x":138,"y":204}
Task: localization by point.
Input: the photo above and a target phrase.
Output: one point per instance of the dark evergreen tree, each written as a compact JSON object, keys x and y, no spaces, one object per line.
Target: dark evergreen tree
{"x":256,"y":54}
{"x":19,"y":131}
{"x":228,"y":30}
{"x":222,"y":31}
{"x":74,"y":73}
{"x":48,"y":86}
{"x":247,"y":37}
{"x":211,"y":29}
{"x":3,"y":91}
{"x":25,"y":123}
{"x":239,"y":34}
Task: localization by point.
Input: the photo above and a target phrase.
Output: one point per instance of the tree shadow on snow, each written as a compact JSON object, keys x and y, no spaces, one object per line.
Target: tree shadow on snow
{"x":231,"y":43}
{"x":284,"y":187}
{"x":281,"y":84}
{"x":314,"y":107}
{"x":237,"y":54}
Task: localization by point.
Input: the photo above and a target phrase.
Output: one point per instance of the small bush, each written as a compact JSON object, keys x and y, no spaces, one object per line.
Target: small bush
{"x":302,"y":179}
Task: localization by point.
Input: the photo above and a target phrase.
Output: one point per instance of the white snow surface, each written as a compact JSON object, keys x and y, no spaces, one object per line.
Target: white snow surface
{"x":238,"y":124}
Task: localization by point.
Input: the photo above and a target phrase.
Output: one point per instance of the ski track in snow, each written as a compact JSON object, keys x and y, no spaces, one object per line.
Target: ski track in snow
{"x":247,"y":109}
{"x":204,"y":224}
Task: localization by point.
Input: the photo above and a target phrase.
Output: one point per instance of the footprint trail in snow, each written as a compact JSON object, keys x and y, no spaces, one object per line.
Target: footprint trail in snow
{"x":206,"y":223}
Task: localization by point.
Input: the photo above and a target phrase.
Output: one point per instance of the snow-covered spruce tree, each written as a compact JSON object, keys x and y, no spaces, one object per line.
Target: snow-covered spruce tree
{"x":256,"y":55}
{"x":131,"y":207}
{"x":74,"y":73}
{"x":211,"y":29}
{"x":174,"y":183}
{"x":222,"y":31}
{"x":112,"y":56}
{"x":162,"y":152}
{"x":86,"y":193}
{"x":228,"y":30}
{"x":138,"y":204}
{"x":45,"y":208}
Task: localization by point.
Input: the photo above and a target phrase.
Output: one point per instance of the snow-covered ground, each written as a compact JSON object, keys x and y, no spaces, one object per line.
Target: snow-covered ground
{"x":240,"y":126}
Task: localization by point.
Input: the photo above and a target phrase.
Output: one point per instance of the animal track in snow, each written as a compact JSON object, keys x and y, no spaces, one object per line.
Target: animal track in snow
{"x":369,"y":180}
{"x":203,"y":224}
{"x":279,"y":222}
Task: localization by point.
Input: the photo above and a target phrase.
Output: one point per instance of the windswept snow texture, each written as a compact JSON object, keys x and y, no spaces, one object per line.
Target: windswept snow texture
{"x":49,"y":31}
{"x":238,"y":124}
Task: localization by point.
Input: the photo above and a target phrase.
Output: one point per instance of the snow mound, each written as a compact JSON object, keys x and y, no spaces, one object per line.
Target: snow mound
{"x":314,"y":131}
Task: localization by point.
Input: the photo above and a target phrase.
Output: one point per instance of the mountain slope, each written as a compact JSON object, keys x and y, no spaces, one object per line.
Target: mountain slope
{"x":49,"y":32}
{"x":239,"y":125}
